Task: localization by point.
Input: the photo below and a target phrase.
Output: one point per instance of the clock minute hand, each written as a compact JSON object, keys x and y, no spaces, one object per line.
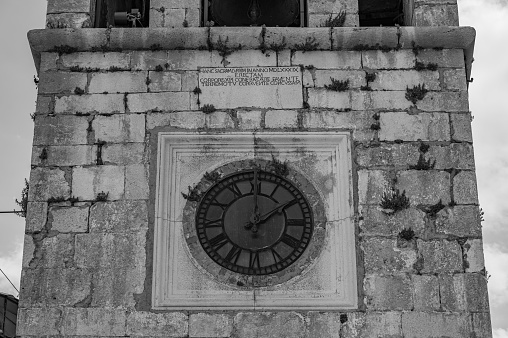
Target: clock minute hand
{"x":277,"y":209}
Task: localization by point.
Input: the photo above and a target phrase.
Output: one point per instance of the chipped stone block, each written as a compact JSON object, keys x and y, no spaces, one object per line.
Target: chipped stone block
{"x":193,"y":16}
{"x":119,"y":128}
{"x":232,"y":37}
{"x":383,"y":255}
{"x":376,"y":59}
{"x":444,"y":101}
{"x":425,"y":187}
{"x":48,"y":62}
{"x":88,"y":182}
{"x":46,"y":183}
{"x":324,"y":325}
{"x":254,"y":58}
{"x":324,"y":98}
{"x":440,"y":256}
{"x":189,"y":81}
{"x":36,"y":216}
{"x":452,"y":293}
{"x":473,"y":255}
{"x":388,"y":292}
{"x":281,"y":119}
{"x":372,"y":324}
{"x":56,"y":83}
{"x":435,"y":324}
{"x":450,"y":58}
{"x":175,"y":60}
{"x":464,"y":188}
{"x":358,"y":122}
{"x":406,"y":127}
{"x":376,"y":222}
{"x":69,"y":219}
{"x":123,"y":154}
{"x":139,"y":103}
{"x":150,"y":60}
{"x":118,"y":82}
{"x":119,"y":217}
{"x":174,"y":17}
{"x":250,"y":119}
{"x":269,"y":325}
{"x":426,"y":293}
{"x":464,"y":292}
{"x":482,"y":326}
{"x":183,"y":119}
{"x":64,"y":156}
{"x":118,"y":287}
{"x":96,"y":61}
{"x":142,"y":324}
{"x":53,"y":252}
{"x":328,"y":59}
{"x":165,"y":81}
{"x":402,"y":79}
{"x":368,"y":100}
{"x":456,"y":155}
{"x":461,"y":127}
{"x":387,"y":155}
{"x":95,"y":103}
{"x":461,"y":221}
{"x":219,"y":119}
{"x":371,"y":186}
{"x":69,"y":6}
{"x":44,"y":105}
{"x":61,"y":130}
{"x":210,"y":325}
{"x":136,"y":182}
{"x":455,"y":79}
{"x":477,"y":298}
{"x":28,"y":251}
{"x":32,"y":321}
{"x":94,"y":322}
{"x":436,"y":15}
{"x":323,"y":77}
{"x":68,"y":20}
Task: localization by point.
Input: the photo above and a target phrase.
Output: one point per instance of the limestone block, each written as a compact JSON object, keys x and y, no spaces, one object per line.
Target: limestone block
{"x":440,"y":256}
{"x":330,"y":6}
{"x":52,"y":252}
{"x":61,"y":130}
{"x":402,"y":79}
{"x":143,"y":39}
{"x":320,"y":20}
{"x":435,"y":324}
{"x":250,"y":119}
{"x":48,"y":62}
{"x":119,"y":217}
{"x":438,"y":15}
{"x":476,"y":292}
{"x":69,"y":6}
{"x":450,"y":58}
{"x":358,"y":122}
{"x":455,"y":79}
{"x":328,"y":60}
{"x":69,"y":219}
{"x":54,"y":286}
{"x":210,"y":325}
{"x":60,"y":82}
{"x":38,"y":321}
{"x":284,"y":58}
{"x":136,"y":182}
{"x":123,"y":154}
{"x":372,"y":324}
{"x":118,"y":82}
{"x":281,"y":119}
{"x":117,"y":287}
{"x":323,"y":325}
{"x":183,"y":119}
{"x":452,"y":293}
{"x":356,"y":78}
{"x":473,"y":255}
{"x":371,"y":186}
{"x":376,"y":59}
{"x":94,"y":322}
{"x":464,"y":188}
{"x":119,"y":128}
{"x":269,"y":325}
{"x":456,"y":155}
{"x":219,"y":119}
{"x":189,"y":81}
{"x":193,"y":16}
{"x":407,"y":127}
{"x":149,"y":60}
{"x":88,"y":182}
{"x":461,"y":127}
{"x":46,"y":183}
{"x":387,"y":154}
{"x":36,"y":216}
{"x":175,"y":60}
{"x":376,"y":222}
{"x":324,"y":98}
{"x":96,"y":61}
{"x":482,"y":326}
{"x":139,"y":103}
{"x":364,"y":36}
{"x":460,"y":221}
{"x":425,"y":187}
{"x":444,"y":101}
{"x":382,"y":255}
{"x":44,"y":105}
{"x":97,"y":103}
{"x":232,"y":37}
{"x":464,"y":292}
{"x":156,"y":17}
{"x":68,"y":20}
{"x":142,"y":324}
{"x":368,"y":100}
{"x":294,"y":39}
{"x":252,"y":58}
{"x":174,"y":17}
{"x":388,"y":292}
{"x":165,"y":82}
{"x":426,"y":293}
{"x":28,"y":251}
{"x":64,"y":156}
{"x":175,"y":3}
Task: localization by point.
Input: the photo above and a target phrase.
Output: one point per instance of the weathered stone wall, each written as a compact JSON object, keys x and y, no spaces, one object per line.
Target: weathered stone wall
{"x":178,"y":13}
{"x":87,"y":260}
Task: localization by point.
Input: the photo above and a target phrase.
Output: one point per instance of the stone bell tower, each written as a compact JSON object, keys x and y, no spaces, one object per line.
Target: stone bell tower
{"x":215,"y":168}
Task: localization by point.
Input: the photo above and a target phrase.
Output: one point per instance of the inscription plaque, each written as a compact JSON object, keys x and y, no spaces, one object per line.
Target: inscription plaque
{"x":260,"y":87}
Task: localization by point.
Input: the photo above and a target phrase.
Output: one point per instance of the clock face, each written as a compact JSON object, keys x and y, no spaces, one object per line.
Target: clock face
{"x":254,"y":222}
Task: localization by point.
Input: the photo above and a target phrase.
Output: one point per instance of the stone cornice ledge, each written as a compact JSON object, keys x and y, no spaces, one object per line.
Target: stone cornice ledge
{"x":344,"y":38}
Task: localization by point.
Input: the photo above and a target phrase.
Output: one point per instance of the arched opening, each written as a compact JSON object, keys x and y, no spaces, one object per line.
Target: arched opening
{"x":121,"y":13}
{"x":271,"y":13}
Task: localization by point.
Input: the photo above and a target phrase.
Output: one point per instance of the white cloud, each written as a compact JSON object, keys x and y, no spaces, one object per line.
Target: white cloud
{"x":11,"y":265}
{"x":500,"y":333}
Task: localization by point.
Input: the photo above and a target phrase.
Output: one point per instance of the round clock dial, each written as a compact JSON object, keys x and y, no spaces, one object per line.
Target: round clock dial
{"x":254,"y":222}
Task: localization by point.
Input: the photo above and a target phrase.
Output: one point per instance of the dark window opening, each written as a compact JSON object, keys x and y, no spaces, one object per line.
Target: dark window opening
{"x":121,"y":13}
{"x":381,"y":13}
{"x":271,"y":13}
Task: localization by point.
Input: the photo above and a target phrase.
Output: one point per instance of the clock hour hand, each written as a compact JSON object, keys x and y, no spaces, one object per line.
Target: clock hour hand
{"x":254,"y":221}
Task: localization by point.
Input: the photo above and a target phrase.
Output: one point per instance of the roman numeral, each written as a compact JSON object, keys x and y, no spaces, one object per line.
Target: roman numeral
{"x":218,"y":241}
{"x":233,"y":254}
{"x":290,"y":240}
{"x":276,"y":257}
{"x":216,"y":203}
{"x":235,"y":190}
{"x":216,"y":223}
{"x":254,"y":260}
{"x":295,"y":222}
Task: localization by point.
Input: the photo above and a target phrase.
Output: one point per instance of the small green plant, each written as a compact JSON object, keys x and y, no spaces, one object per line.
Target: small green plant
{"x":64,"y":49}
{"x":148,"y":81}
{"x":279,"y":167}
{"x":407,"y":234}
{"x":56,"y":199}
{"x":375,"y":126}
{"x":213,"y":177}
{"x":393,"y":201}
{"x":337,"y":21}
{"x":305,"y":105}
{"x":416,"y":48}
{"x":416,"y":93}
{"x":159,"y":68}
{"x":343,"y":318}
{"x":420,"y":66}
{"x":338,"y":85}
{"x":277,"y":47}
{"x":115,"y":69}
{"x":433,"y":210}
{"x":79,"y":91}
{"x":424,"y":148}
{"x":370,"y":77}
{"x":223,"y":48}
{"x":310,"y":44}
{"x":44,"y":154}
{"x":208,"y":108}
{"x":185,"y":23}
{"x":482,"y":214}
{"x":102,"y":196}
{"x":194,"y":195}
{"x":361,"y":47}
{"x":197,"y":91}
{"x":155,"y":47}
{"x":23,"y":203}
{"x":423,"y":164}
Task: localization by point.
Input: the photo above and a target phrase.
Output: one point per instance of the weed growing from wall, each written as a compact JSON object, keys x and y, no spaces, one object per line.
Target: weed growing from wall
{"x":23,"y":202}
{"x":337,"y":21}
{"x":338,"y":85}
{"x":417,"y":93}
{"x":208,"y":108}
{"x":393,"y":201}
{"x":310,"y":44}
{"x":407,"y":234}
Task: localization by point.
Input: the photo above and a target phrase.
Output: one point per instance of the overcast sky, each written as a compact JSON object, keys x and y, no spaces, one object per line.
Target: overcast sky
{"x":488,"y":95}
